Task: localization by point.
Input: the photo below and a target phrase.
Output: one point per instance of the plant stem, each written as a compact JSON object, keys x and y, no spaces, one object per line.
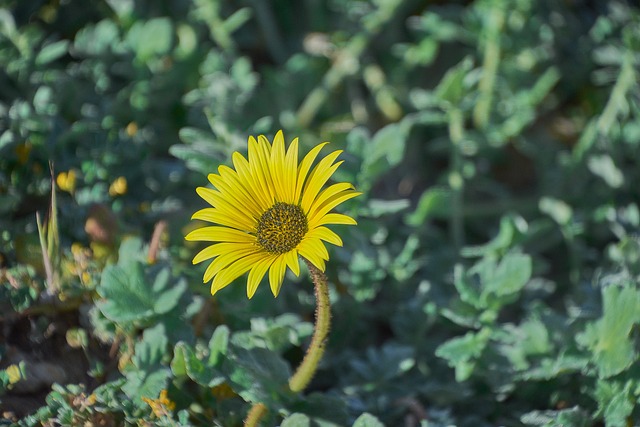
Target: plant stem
{"x":256,"y":412}
{"x":495,"y":24}
{"x":309,"y":365}
{"x":456,"y":180}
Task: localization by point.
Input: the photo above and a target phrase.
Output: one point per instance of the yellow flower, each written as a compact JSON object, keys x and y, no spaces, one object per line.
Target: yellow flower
{"x":132,"y":129}
{"x":160,"y":406}
{"x":67,"y":181}
{"x":13,"y":371}
{"x":118,"y":187}
{"x":269,"y":210}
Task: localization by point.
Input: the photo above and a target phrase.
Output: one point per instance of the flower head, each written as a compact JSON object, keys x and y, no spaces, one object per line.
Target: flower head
{"x":269,"y":210}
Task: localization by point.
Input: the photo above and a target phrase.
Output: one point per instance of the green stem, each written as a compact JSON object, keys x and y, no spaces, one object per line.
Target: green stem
{"x":346,"y":62}
{"x":256,"y":413}
{"x":309,"y":365}
{"x":494,"y":25}
{"x":456,"y":180}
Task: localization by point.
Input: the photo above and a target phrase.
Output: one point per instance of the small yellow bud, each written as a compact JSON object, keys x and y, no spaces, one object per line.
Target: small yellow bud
{"x":67,"y":181}
{"x":132,"y":128}
{"x":14,"y":374}
{"x":118,"y":187}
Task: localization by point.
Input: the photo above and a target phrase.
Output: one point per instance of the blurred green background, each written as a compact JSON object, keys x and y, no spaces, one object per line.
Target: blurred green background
{"x":493,"y":276}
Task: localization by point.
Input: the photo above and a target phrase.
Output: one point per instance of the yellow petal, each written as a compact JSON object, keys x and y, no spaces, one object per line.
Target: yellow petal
{"x":218,"y":249}
{"x":259,"y":168}
{"x":245,"y":175}
{"x":318,"y":177}
{"x":326,"y":194}
{"x":304,"y":167}
{"x":276,"y":163}
{"x":276,"y":275}
{"x":229,"y":183}
{"x":325,"y":234}
{"x":233,"y":271}
{"x":219,"y":234}
{"x":224,"y":260}
{"x":257,"y":273}
{"x":217,"y":217}
{"x":291,"y":258}
{"x":290,"y":172}
{"x":223,"y":204}
{"x":318,"y":247}
{"x":332,"y":203}
{"x":334,"y":218}
{"x":307,"y":252}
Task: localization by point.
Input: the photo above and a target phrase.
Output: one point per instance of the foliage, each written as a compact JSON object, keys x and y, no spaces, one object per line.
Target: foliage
{"x":494,"y":275}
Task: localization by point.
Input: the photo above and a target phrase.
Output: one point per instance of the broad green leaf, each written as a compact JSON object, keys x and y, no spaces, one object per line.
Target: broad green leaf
{"x":52,"y":51}
{"x":323,"y":409}
{"x":218,"y":345}
{"x":151,"y":38}
{"x":185,"y":362}
{"x":150,"y":351}
{"x":384,"y":151}
{"x":97,"y":39}
{"x":260,"y":374}
{"x":573,"y":417}
{"x":608,"y":338}
{"x":461,"y":352}
{"x":145,"y":384}
{"x":559,"y":210}
{"x":128,"y":294}
{"x":296,"y":420}
{"x":367,"y":420}
{"x":615,"y":402}
{"x":604,"y":167}
{"x":148,"y":377}
{"x":509,"y":277}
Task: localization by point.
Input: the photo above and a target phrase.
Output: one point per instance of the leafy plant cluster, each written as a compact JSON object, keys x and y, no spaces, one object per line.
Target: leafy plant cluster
{"x":493,"y":278}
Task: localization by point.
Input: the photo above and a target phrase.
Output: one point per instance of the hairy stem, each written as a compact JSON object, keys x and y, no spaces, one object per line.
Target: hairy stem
{"x":309,"y":365}
{"x":255,"y":414}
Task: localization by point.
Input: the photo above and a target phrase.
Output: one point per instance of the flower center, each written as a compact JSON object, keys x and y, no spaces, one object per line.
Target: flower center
{"x":281,"y":228}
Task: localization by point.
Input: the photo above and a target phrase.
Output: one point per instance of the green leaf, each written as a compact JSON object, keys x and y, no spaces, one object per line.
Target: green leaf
{"x":510,"y":227}
{"x":604,"y":167}
{"x":97,"y":39}
{"x":385,"y":151}
{"x":323,"y":409}
{"x":608,"y":338}
{"x":150,"y":351}
{"x":615,"y":402}
{"x":296,"y":420}
{"x":260,"y":374}
{"x":145,"y":384}
{"x":451,"y":88}
{"x":218,"y":345}
{"x":149,"y":376}
{"x":126,"y":295}
{"x":185,"y":362}
{"x":560,"y":211}
{"x":129,"y":296}
{"x":461,"y":352}
{"x":434,"y":203}
{"x":367,"y":420}
{"x":151,"y":38}
{"x":510,"y":276}
{"x":573,"y":417}
{"x":51,"y":52}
